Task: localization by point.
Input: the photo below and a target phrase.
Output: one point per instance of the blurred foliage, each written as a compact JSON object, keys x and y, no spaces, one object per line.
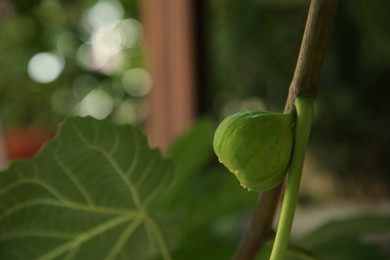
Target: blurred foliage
{"x":252,"y":49}
{"x":213,"y":205}
{"x":359,"y":237}
{"x":363,"y":237}
{"x":64,"y":29}
{"x":254,"y":46}
{"x":215,"y":210}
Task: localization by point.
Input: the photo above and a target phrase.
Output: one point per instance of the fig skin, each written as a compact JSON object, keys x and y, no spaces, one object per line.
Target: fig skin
{"x":256,"y":147}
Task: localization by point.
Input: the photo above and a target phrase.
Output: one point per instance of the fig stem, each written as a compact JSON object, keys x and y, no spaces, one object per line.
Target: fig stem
{"x":304,"y":109}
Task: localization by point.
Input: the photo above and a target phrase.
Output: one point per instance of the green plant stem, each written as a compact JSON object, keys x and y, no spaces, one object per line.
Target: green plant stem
{"x":304,"y":108}
{"x":305,"y":82}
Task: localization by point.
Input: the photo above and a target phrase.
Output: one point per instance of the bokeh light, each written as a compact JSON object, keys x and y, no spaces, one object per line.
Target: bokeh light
{"x":137,"y":82}
{"x":98,"y":104}
{"x":101,"y":46}
{"x":131,"y":33}
{"x":102,"y":14}
{"x":130,"y":111}
{"x":107,"y":49}
{"x":45,"y":67}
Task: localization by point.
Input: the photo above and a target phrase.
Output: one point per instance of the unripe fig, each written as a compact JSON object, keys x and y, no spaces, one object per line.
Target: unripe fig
{"x":256,"y":147}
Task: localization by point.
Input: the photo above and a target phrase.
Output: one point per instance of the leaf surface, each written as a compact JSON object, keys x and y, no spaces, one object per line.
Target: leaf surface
{"x":210,"y":199}
{"x":88,"y":194}
{"x":360,"y":237}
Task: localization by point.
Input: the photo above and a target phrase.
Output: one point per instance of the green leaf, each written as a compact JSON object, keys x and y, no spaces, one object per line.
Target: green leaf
{"x":363,"y":237}
{"x":191,"y":152}
{"x":204,"y":190}
{"x":88,"y":194}
{"x":208,"y":196}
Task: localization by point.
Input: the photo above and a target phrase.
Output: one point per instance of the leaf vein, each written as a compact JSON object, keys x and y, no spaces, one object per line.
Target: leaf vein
{"x":132,"y":189}
{"x":36,"y":233}
{"x":116,"y":249}
{"x":82,"y":238}
{"x":67,"y":204}
{"x":39,"y":182}
{"x":84,"y":192}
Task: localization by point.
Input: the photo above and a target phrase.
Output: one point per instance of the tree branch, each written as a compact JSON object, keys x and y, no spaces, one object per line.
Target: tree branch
{"x":311,"y":55}
{"x":260,"y":228}
{"x":304,"y":83}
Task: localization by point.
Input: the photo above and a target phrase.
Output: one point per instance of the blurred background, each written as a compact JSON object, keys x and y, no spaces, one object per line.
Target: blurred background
{"x":161,"y":65}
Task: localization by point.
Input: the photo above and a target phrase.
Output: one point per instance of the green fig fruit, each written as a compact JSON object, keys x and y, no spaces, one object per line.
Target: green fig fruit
{"x":256,"y":147}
